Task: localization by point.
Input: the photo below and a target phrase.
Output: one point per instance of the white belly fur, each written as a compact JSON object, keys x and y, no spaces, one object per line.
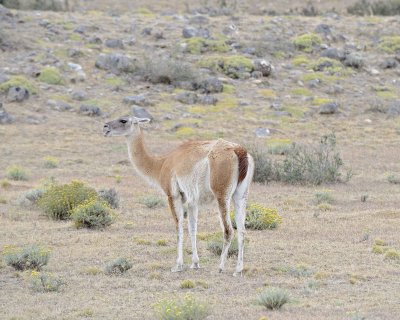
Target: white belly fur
{"x":196,"y":185}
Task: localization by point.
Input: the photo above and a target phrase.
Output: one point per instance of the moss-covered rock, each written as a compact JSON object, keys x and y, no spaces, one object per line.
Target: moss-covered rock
{"x":18,"y":81}
{"x":51,"y":75}
{"x":307,"y":41}
{"x":232,"y":66}
{"x":197,"y":45}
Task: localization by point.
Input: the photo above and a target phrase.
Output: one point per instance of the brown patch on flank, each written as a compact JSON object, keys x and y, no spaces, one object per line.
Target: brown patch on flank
{"x":243,"y":162}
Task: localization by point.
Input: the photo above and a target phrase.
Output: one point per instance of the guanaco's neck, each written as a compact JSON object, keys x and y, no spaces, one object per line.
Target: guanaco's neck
{"x":146,"y":164}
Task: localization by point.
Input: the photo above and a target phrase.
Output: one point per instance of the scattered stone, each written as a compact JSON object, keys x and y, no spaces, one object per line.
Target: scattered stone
{"x":147,"y":31}
{"x":264,"y":66}
{"x":159,"y":35}
{"x":17,"y":94}
{"x":78,"y":95}
{"x":323,"y":29}
{"x":90,"y":110}
{"x":329,"y":108}
{"x":74,"y":53}
{"x":199,"y":20}
{"x":276,"y":105}
{"x":333,"y":53}
{"x":323,"y":64}
{"x":44,"y":23}
{"x":190,"y":32}
{"x":5,"y":118}
{"x":208,"y":99}
{"x":353,"y":60}
{"x":373,"y":71}
{"x":34,"y":120}
{"x":139,"y":100}
{"x":95,"y":40}
{"x":394,"y":109}
{"x":59,"y":105}
{"x":282,"y":114}
{"x":262,"y":132}
{"x":74,"y":66}
{"x":114,"y":62}
{"x":211,"y":85}
{"x":249,"y":50}
{"x":314,"y":83}
{"x":141,"y":112}
{"x":256,"y":74}
{"x":187,"y":97}
{"x":114,"y":43}
{"x":389,"y":63}
{"x":335,"y":89}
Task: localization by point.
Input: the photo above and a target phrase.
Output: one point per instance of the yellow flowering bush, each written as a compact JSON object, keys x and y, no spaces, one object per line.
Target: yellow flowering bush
{"x":187,"y":309}
{"x":259,"y":217}
{"x":44,"y":282}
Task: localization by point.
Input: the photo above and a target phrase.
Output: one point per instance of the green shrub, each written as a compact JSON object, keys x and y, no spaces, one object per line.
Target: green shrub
{"x":92,"y":214}
{"x":44,"y":282}
{"x":382,"y":8}
{"x":16,"y":173}
{"x":323,"y":196}
{"x":216,"y":242}
{"x":110,"y":196}
{"x":395,"y":179}
{"x":273,"y":298}
{"x":187,"y":284}
{"x":50,"y":75}
{"x":232,"y":66}
{"x":390,"y":44}
{"x":263,"y":165}
{"x":259,"y":217}
{"x":30,"y":257}
{"x":59,"y":200}
{"x":392,"y":254}
{"x":307,"y":41}
{"x":52,"y":5}
{"x":313,"y":164}
{"x":118,"y":266}
{"x":50,"y":162}
{"x":197,"y":45}
{"x":151,"y":201}
{"x":32,"y":196}
{"x":188,"y":309}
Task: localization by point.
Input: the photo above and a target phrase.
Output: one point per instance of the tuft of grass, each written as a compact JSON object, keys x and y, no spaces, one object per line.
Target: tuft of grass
{"x":110,"y":196}
{"x":30,"y":257}
{"x":216,"y":242}
{"x":232,"y":66}
{"x":59,"y":201}
{"x":162,"y":242}
{"x":323,"y":196}
{"x":186,"y":309}
{"x":33,"y":195}
{"x":151,"y":201}
{"x":5,"y":184}
{"x":51,"y":75}
{"x":18,"y":81}
{"x":392,"y":178}
{"x":279,"y":146}
{"x":259,"y":217}
{"x":50,"y":162}
{"x":307,"y":41}
{"x":16,"y":173}
{"x":92,"y":214}
{"x":92,"y":271}
{"x":273,"y":298}
{"x":264,"y":167}
{"x":301,"y":92}
{"x":198,"y":45}
{"x":187,"y":284}
{"x":377,"y":8}
{"x":390,"y":44}
{"x":392,"y":254}
{"x":326,"y":64}
{"x":300,"y":60}
{"x":118,"y":266}
{"x":185,"y":132}
{"x":45,"y":282}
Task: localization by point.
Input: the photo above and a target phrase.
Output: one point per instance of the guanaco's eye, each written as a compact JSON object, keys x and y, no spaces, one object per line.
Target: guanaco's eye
{"x":122,"y":121}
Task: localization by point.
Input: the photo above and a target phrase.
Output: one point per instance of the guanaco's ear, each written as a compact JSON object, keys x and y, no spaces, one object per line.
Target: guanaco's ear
{"x":141,"y":120}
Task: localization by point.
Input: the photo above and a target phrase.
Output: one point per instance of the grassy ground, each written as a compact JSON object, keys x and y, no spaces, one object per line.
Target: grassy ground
{"x":323,"y":258}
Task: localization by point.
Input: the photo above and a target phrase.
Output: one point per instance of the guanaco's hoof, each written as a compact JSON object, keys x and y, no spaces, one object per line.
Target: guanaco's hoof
{"x":177,"y":268}
{"x":195,"y":266}
{"x":238,"y":274}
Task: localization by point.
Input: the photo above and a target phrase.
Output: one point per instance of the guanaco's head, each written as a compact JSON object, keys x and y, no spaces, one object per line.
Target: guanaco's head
{"x":124,"y":126}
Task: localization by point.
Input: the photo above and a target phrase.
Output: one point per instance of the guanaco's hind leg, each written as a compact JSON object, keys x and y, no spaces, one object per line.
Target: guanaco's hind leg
{"x":176,"y":207}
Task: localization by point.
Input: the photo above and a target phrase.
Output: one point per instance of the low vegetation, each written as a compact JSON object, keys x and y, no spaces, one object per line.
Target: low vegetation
{"x":259,"y":217}
{"x":45,"y":282}
{"x":215,"y":244}
{"x":118,"y":266}
{"x":110,"y":196}
{"x":151,"y":201}
{"x":50,"y":162}
{"x":18,"y":81}
{"x":232,"y":66}
{"x":187,"y":309}
{"x":92,"y":214}
{"x":379,"y":8}
{"x":273,"y":298}
{"x":187,"y":284}
{"x":16,"y":173}
{"x":30,"y":257}
{"x":50,"y":75}
{"x":307,"y":42}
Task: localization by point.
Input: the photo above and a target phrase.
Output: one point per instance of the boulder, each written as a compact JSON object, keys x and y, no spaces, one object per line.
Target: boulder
{"x":17,"y":94}
{"x":329,"y":108}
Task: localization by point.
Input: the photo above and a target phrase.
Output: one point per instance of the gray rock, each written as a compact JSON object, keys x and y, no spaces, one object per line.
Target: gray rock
{"x":17,"y":94}
{"x":329,"y":108}
{"x":354,"y":60}
{"x":256,"y":74}
{"x":141,"y":112}
{"x":264,"y":66}
{"x":313,"y":83}
{"x":333,"y":53}
{"x":147,"y":31}
{"x":335,"y":89}
{"x":276,"y":105}
{"x":262,"y":132}
{"x":114,"y":62}
{"x":74,"y":53}
{"x":90,"y":110}
{"x":139,"y":100}
{"x":190,"y":32}
{"x":322,"y":65}
{"x":78,"y":95}
{"x":114,"y":43}
{"x":5,"y":117}
{"x":208,"y":99}
{"x":59,"y":105}
{"x":389,"y":63}
{"x":187,"y":97}
{"x":282,"y":114}
{"x":249,"y":50}
{"x":394,"y":109}
{"x":323,"y":29}
{"x":95,"y":40}
{"x":199,"y":20}
{"x":211,"y":85}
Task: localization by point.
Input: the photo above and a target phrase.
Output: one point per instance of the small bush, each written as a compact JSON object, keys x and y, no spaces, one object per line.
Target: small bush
{"x":187,"y":284}
{"x":390,"y":44}
{"x":44,"y":282}
{"x":273,"y":298}
{"x":31,"y":257}
{"x":151,"y":201}
{"x":379,"y":8}
{"x":18,"y":81}
{"x":392,"y":254}
{"x":50,"y":162}
{"x":50,"y":75}
{"x":92,"y":214}
{"x":323,"y":196}
{"x":166,"y":70}
{"x":216,"y":242}
{"x":118,"y":266}
{"x":395,"y":179}
{"x":31,"y":197}
{"x":263,"y":165}
{"x":16,"y":173}
{"x":59,"y":200}
{"x":259,"y":217}
{"x":188,"y":309}
{"x":162,"y":242}
{"x":110,"y":196}
{"x":307,"y":41}
{"x":232,"y":66}
{"x":5,"y":184}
